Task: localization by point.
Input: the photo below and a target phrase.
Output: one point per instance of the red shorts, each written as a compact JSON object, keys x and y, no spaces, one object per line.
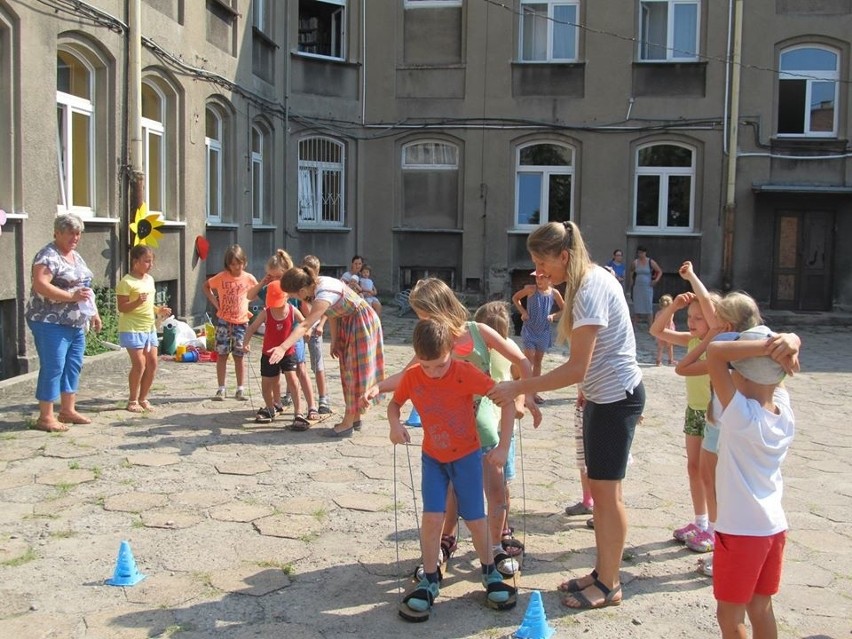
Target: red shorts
{"x":745,"y":566}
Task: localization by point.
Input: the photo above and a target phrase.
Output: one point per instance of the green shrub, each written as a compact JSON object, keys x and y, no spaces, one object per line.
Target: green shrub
{"x":105,"y":300}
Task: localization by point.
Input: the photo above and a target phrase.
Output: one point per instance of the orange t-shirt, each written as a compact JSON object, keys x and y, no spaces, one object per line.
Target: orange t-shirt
{"x":231,"y":291}
{"x":445,"y":406}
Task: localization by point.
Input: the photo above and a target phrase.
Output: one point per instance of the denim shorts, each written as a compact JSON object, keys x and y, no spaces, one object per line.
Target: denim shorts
{"x":137,"y":340}
{"x":300,"y":351}
{"x":710,"y":443}
{"x":509,"y":466}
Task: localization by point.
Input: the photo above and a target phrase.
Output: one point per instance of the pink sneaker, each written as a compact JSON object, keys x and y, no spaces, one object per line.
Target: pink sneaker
{"x":702,"y":542}
{"x":682,"y":534}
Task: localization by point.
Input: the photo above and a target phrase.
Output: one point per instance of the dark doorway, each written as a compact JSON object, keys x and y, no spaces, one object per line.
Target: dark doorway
{"x":804,"y":257}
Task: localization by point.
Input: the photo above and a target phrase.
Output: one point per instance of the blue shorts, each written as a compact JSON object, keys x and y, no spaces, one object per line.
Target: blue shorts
{"x":465,"y":474}
{"x":509,"y":466}
{"x":710,"y":443}
{"x":300,"y":351}
{"x":137,"y":340}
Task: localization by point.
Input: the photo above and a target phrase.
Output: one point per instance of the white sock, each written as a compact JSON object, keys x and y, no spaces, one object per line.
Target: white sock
{"x":240,"y":388}
{"x":702,"y":521}
{"x":222,"y":388}
{"x":711,"y":526}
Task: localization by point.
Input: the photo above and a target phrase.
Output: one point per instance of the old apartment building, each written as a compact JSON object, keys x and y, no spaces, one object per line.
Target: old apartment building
{"x":431,"y":136}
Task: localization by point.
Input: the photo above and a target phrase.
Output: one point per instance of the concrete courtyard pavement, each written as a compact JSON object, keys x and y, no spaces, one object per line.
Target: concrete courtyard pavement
{"x":246,"y":530}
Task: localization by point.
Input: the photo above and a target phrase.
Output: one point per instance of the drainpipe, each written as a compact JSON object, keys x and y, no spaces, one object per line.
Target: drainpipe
{"x":134,"y":108}
{"x":731,"y":184}
{"x":285,"y":162}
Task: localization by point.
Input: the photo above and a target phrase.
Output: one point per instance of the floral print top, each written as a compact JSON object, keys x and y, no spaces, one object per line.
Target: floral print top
{"x":67,"y":276}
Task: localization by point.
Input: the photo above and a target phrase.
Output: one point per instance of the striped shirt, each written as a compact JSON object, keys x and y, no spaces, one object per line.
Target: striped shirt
{"x":613,"y":370}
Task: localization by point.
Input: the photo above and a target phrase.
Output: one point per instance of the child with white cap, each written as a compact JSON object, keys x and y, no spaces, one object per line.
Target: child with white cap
{"x":756,"y":428}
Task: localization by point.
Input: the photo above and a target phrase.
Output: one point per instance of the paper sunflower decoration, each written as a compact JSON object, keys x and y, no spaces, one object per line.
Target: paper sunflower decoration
{"x":146,"y":227}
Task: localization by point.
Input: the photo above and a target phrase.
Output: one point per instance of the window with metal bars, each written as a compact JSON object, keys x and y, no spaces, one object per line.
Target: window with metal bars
{"x":321,"y":182}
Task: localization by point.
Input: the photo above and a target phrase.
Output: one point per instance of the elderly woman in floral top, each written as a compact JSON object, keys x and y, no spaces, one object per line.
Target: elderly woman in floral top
{"x":60,"y":307}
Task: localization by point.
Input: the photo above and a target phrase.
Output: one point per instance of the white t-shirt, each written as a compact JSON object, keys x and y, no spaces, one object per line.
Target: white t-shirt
{"x":753,"y":443}
{"x":613,"y":370}
{"x":366,"y":285}
{"x":329,"y":289}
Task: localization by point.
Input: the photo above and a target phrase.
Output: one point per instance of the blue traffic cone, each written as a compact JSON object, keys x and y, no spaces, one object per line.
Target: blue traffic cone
{"x":126,"y":573}
{"x":534,"y":625}
{"x":413,"y":419}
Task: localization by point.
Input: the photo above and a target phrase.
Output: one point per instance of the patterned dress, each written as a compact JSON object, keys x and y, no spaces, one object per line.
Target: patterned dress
{"x":362,"y":362}
{"x":536,"y":333}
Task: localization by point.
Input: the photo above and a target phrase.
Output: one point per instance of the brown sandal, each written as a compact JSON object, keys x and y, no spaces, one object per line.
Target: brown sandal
{"x":52,"y":426}
{"x":146,"y":405}
{"x":134,"y":407}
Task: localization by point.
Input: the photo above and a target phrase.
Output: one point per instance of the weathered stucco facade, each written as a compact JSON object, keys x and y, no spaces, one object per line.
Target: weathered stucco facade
{"x":430,"y":136}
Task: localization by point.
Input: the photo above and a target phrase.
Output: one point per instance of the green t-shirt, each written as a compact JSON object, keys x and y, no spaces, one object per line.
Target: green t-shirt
{"x":697,"y":386}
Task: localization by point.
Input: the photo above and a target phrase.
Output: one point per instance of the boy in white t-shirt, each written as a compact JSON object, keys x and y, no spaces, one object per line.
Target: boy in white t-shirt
{"x":756,"y":428}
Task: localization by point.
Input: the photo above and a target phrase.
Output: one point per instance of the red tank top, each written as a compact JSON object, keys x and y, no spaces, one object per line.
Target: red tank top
{"x":279,"y":330}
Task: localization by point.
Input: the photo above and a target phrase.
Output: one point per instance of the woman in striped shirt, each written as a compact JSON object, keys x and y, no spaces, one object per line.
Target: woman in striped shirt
{"x":596,"y":322}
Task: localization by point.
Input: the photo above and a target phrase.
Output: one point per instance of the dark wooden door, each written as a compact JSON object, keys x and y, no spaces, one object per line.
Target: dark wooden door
{"x":803,"y":262}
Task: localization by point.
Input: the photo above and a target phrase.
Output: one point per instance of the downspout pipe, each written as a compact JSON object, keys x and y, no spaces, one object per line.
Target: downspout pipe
{"x":729,"y":222}
{"x":134,"y":108}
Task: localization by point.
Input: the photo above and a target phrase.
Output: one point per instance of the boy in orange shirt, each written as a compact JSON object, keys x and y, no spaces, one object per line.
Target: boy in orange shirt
{"x":442,"y":390}
{"x":227,"y":292}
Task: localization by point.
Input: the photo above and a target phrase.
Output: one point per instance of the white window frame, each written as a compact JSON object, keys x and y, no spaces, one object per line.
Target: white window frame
{"x":552,"y":21}
{"x":431,"y":4}
{"x":546,"y":171}
{"x":150,"y":127}
{"x":258,"y":13}
{"x":664,"y":173}
{"x":67,"y":106}
{"x":429,"y":166}
{"x":211,"y":145}
{"x":672,"y":53}
{"x":810,"y":77}
{"x":338,"y":18}
{"x":310,"y":189}
{"x":258,"y":167}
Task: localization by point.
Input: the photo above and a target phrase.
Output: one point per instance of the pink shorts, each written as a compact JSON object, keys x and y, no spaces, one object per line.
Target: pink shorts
{"x":744,"y":566}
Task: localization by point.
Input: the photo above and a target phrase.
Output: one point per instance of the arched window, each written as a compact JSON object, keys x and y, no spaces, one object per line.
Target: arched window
{"x":321,"y":182}
{"x":261,"y":174}
{"x":430,"y":184}
{"x":544,"y":184}
{"x":664,"y":192}
{"x":75,"y":79}
{"x":807,"y":91}
{"x":213,"y":140}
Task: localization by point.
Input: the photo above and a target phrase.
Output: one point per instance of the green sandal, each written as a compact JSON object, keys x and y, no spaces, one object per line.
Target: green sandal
{"x":417,"y":604}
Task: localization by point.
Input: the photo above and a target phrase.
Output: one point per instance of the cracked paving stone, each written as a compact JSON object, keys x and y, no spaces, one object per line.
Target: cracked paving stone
{"x":169,"y":519}
{"x":242,"y":467}
{"x":250,"y":580}
{"x":70,"y":476}
{"x":153,"y":460}
{"x":135,"y":502}
{"x":165,"y":591}
{"x":240,"y":512}
{"x":288,"y":526}
{"x":365,"y":502}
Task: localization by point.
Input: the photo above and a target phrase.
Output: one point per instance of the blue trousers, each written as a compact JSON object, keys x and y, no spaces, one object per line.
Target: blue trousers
{"x":60,"y":352}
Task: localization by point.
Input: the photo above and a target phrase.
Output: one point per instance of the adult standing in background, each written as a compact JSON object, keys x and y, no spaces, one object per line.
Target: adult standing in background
{"x":617,"y":265}
{"x":645,"y":273}
{"x":60,"y":307}
{"x":596,"y":322}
